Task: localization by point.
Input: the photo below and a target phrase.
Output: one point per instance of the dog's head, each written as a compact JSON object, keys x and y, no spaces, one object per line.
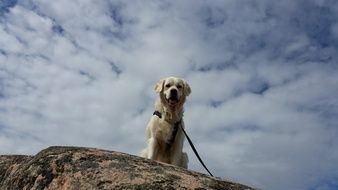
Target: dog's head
{"x":173,"y":91}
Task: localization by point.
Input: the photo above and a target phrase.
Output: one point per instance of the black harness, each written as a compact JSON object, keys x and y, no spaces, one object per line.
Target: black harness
{"x":174,"y":133}
{"x":173,"y":136}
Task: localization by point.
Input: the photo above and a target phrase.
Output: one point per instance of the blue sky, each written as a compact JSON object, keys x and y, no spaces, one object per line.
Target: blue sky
{"x":263,"y":109}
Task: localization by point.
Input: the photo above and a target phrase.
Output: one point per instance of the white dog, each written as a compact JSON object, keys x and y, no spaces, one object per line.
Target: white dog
{"x":164,"y":134}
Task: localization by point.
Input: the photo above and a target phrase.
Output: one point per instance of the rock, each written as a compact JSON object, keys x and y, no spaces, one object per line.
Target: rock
{"x":88,"y":168}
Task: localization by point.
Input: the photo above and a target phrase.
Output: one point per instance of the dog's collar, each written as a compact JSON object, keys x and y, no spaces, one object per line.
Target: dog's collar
{"x":158,"y":114}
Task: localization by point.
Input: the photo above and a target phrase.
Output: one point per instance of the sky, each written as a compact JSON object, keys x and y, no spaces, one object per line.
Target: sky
{"x":263,"y":73}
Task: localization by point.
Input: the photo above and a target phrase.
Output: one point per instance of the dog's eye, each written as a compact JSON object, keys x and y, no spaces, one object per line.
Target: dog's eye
{"x":179,"y":86}
{"x":167,"y":85}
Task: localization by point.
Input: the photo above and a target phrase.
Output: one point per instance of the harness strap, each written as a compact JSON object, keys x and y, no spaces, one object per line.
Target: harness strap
{"x":174,"y":133}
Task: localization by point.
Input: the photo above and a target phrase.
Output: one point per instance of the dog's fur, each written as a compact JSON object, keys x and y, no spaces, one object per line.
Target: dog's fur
{"x":159,"y":130}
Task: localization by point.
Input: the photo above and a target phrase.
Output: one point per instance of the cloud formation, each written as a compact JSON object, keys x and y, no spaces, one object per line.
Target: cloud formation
{"x":263,"y":75}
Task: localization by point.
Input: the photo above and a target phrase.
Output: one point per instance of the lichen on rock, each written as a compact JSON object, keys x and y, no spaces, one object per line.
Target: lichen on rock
{"x":88,"y":168}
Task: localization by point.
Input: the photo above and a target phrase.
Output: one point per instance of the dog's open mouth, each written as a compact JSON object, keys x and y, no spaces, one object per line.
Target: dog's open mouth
{"x":172,"y":101}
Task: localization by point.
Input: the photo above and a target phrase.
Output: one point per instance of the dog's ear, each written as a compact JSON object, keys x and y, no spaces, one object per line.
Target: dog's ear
{"x":159,"y":85}
{"x":187,"y":89}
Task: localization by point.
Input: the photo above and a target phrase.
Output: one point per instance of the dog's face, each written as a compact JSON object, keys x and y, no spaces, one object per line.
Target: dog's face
{"x":173,"y":91}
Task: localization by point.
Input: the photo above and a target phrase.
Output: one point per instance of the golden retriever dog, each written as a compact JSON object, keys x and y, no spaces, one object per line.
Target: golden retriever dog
{"x":164,"y":134}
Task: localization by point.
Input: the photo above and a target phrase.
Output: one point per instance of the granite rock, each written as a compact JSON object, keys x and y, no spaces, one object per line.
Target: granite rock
{"x":88,"y":168}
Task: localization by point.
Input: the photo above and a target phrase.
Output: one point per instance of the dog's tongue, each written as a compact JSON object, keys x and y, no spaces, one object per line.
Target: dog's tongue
{"x":172,"y":102}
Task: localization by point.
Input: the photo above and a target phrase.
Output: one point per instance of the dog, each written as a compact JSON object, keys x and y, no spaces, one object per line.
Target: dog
{"x":164,"y":134}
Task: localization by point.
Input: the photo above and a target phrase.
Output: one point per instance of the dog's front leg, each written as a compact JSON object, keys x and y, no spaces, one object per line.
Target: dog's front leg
{"x":176,"y":151}
{"x":152,"y":148}
{"x":175,"y":158}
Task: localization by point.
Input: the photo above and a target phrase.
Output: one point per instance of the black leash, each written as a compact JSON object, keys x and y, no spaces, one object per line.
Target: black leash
{"x":159,"y":114}
{"x":195,"y":151}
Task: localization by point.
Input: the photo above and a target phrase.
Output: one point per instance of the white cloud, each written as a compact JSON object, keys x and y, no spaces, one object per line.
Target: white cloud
{"x":263,"y":104}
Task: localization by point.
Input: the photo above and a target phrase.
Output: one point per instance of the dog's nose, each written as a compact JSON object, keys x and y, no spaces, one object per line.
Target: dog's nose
{"x":173,"y":94}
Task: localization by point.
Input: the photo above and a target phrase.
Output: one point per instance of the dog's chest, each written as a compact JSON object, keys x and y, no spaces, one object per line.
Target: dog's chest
{"x":164,"y":130}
